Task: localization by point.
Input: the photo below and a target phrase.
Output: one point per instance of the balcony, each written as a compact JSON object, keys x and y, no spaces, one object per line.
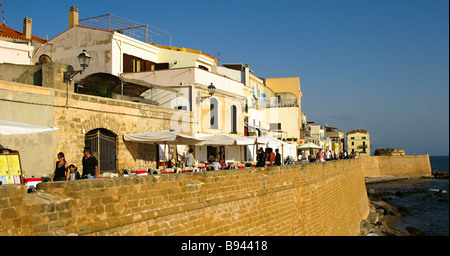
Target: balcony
{"x":275,"y":103}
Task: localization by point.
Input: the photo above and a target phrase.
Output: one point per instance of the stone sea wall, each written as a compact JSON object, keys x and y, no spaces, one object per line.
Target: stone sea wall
{"x":300,"y":200}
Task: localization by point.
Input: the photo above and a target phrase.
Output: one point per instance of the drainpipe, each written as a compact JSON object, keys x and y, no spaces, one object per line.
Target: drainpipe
{"x":67,"y":99}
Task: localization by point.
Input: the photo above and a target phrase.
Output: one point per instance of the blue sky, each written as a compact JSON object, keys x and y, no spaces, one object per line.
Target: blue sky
{"x":381,"y":66}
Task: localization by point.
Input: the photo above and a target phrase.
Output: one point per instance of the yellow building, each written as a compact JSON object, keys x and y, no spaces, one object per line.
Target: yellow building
{"x":288,"y":106}
{"x":358,"y":141}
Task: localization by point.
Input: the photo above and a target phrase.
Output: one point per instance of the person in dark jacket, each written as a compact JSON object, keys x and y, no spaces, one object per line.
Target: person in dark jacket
{"x":277,"y":157}
{"x":261,"y":158}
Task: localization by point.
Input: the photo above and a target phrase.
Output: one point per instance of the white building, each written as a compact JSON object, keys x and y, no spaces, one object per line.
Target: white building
{"x":18,"y":47}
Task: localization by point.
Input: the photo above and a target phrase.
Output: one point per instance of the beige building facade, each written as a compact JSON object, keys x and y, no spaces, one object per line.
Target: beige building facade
{"x":287,"y":101}
{"x":358,"y":141}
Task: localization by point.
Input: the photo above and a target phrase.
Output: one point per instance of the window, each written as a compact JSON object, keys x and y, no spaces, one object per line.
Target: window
{"x":203,"y":67}
{"x":363,"y":138}
{"x":136,"y":64}
{"x":214,"y":114}
{"x":234,"y":119}
{"x":275,"y":126}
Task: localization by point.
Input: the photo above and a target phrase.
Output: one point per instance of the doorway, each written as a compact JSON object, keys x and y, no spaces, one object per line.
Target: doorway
{"x":103,"y":146}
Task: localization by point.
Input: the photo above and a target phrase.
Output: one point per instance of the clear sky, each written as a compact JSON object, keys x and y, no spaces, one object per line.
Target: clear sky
{"x":381,"y":66}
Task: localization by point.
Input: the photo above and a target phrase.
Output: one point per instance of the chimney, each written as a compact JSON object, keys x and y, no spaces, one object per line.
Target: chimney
{"x":73,"y":16}
{"x":27,"y":28}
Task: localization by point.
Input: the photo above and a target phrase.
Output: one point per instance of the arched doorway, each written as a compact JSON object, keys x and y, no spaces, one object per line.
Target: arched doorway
{"x":103,"y":146}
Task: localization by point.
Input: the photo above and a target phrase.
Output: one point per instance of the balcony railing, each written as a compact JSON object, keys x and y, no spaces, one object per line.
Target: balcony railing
{"x":136,"y":30}
{"x":275,"y":103}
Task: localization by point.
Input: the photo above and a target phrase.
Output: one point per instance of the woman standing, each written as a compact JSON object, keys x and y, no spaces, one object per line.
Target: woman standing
{"x":60,"y":173}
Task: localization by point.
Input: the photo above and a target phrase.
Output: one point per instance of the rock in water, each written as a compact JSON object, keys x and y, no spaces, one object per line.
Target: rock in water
{"x":415,"y":231}
{"x":404,"y":210}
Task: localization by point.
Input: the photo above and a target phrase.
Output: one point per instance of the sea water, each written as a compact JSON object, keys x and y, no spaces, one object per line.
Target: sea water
{"x":429,"y":203}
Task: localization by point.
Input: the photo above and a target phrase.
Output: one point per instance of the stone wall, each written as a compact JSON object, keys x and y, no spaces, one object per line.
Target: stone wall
{"x":314,"y":199}
{"x":378,"y":166}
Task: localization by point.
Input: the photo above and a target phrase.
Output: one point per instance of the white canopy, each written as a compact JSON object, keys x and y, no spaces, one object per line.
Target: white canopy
{"x":224,"y":139}
{"x":270,"y":141}
{"x":163,"y":137}
{"x":310,"y":146}
{"x":13,"y":128}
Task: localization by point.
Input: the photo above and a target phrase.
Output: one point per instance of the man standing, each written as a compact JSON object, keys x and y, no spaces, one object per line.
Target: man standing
{"x":261,"y":158}
{"x":277,"y":157}
{"x":90,"y":164}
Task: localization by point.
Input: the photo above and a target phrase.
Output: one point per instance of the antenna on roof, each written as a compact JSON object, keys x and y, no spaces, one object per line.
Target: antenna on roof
{"x":218,"y":56}
{"x":3,"y":14}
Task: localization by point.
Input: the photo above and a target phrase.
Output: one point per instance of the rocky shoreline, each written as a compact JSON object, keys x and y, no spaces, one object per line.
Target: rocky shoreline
{"x":440,"y":174}
{"x":381,"y":217}
{"x":382,"y":214}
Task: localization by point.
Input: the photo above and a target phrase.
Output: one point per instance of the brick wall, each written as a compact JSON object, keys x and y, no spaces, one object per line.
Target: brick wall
{"x":315,"y":199}
{"x":396,"y":165}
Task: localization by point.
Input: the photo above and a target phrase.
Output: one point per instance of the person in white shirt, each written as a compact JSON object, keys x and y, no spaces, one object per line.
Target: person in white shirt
{"x":216,"y":163}
{"x":189,"y":158}
{"x":328,"y":155}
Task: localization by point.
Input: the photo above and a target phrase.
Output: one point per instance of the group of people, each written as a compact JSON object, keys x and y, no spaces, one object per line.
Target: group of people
{"x":273,"y":157}
{"x":328,"y":155}
{"x":64,"y":171}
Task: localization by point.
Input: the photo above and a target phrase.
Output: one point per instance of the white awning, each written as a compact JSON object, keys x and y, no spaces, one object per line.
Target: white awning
{"x":163,"y":137}
{"x":14,"y":128}
{"x":224,"y":139}
{"x":310,"y":146}
{"x":270,"y":141}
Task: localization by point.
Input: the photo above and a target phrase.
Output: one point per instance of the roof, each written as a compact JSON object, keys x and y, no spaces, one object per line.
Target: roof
{"x":183,"y":49}
{"x":8,"y":32}
{"x":132,"y":87}
{"x":359,"y":130}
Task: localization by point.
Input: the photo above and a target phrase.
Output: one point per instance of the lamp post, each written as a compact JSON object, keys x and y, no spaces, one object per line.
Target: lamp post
{"x":83,"y":59}
{"x":211,"y":91}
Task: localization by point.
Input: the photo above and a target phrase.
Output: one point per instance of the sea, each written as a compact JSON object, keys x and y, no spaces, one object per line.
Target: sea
{"x":429,"y":202}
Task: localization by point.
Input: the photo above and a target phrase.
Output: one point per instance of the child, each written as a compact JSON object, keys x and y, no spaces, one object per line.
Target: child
{"x":73,"y":173}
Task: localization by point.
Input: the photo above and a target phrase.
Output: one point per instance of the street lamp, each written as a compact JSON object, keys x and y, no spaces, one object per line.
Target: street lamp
{"x":211,"y":91}
{"x":83,"y":59}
